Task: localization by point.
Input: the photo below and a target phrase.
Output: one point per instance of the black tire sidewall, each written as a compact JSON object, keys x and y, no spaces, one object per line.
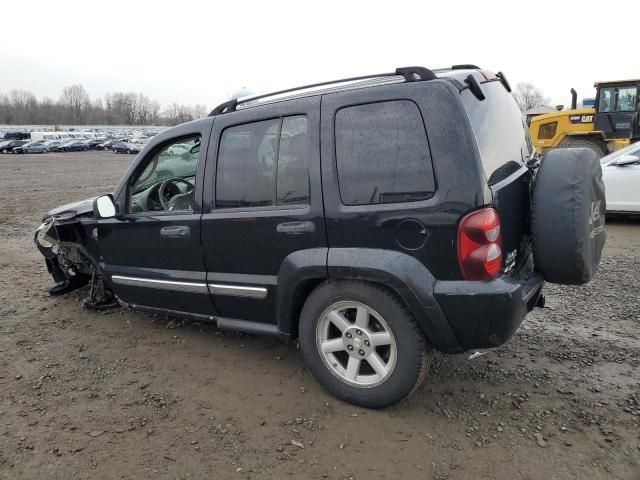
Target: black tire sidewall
{"x":410,"y":346}
{"x":600,"y":149}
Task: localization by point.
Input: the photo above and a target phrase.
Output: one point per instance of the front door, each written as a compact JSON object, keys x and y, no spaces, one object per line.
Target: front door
{"x":150,"y":252}
{"x":262,"y":203}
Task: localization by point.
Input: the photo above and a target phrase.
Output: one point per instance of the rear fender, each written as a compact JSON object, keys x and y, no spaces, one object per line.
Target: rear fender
{"x":407,"y":277}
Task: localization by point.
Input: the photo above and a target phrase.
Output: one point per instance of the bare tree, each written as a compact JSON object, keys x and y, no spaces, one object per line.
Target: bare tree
{"x":76,"y":100}
{"x":76,"y":107}
{"x":146,"y":110}
{"x":199,"y":111}
{"x":528,"y":96}
{"x":22,"y":104}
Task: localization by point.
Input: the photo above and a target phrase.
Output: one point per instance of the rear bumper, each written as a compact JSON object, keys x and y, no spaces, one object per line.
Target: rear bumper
{"x":486,"y":314}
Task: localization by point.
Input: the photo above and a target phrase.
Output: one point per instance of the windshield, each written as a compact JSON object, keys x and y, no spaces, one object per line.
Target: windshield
{"x":612,"y":157}
{"x":618,"y":99}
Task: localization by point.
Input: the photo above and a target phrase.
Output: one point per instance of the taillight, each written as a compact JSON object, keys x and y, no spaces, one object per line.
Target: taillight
{"x":479,"y":245}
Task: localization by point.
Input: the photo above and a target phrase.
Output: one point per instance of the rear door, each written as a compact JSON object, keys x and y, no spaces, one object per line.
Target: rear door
{"x":263,"y":202}
{"x":504,"y":145}
{"x":378,"y":177}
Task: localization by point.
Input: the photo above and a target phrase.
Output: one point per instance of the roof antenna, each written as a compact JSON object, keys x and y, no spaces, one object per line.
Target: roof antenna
{"x":243,"y":92}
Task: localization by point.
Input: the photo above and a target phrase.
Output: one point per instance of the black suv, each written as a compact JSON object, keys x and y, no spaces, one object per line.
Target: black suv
{"x":374,"y":218}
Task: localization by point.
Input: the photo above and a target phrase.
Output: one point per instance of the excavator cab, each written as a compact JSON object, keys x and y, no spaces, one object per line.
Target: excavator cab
{"x":617,"y":110}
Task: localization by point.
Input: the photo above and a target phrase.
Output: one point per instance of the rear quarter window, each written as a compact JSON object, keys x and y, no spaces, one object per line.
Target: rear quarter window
{"x":500,"y":131}
{"x":382,"y":154}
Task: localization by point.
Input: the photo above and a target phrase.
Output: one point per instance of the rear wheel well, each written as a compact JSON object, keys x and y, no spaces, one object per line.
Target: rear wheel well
{"x":306,"y":287}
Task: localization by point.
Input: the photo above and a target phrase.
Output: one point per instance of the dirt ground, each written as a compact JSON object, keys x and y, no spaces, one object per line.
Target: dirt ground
{"x":128,"y":395}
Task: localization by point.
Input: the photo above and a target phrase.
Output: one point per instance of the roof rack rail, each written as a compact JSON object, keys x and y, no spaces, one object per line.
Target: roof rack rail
{"x":465,"y":66}
{"x":410,"y":74}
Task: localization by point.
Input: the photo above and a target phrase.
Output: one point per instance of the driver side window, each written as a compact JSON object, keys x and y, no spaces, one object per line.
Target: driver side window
{"x":166,"y":181}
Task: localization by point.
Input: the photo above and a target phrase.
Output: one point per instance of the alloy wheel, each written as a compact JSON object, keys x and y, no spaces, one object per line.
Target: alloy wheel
{"x":356,"y":344}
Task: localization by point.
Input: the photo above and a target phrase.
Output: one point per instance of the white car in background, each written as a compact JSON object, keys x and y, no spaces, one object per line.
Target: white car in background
{"x":621,"y":175}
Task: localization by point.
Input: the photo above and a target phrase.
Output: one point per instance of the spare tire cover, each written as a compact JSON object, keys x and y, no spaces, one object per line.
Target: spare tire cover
{"x":567,"y":217}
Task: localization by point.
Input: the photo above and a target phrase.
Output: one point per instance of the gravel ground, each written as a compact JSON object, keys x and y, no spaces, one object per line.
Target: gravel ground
{"x":129,"y":395}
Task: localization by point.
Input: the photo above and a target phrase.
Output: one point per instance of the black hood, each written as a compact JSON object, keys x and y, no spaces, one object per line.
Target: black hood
{"x":70,"y":210}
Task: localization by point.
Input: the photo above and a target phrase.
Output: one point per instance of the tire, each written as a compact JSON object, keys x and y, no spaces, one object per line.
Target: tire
{"x":597,"y":145}
{"x":4,"y":150}
{"x":129,"y":151}
{"x":568,"y":216}
{"x":404,"y":359}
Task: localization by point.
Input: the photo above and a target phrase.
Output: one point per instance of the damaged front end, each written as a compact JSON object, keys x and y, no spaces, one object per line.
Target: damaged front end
{"x":68,"y":239}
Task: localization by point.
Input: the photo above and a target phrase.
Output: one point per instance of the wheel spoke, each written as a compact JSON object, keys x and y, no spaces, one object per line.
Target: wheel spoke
{"x":380,"y":338}
{"x":331,"y":346}
{"x":353,"y":367}
{"x":338,"y":320}
{"x":362,"y":317}
{"x":377,"y":364}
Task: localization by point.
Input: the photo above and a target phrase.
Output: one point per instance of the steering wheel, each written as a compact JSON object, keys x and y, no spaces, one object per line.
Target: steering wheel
{"x":163,"y":186}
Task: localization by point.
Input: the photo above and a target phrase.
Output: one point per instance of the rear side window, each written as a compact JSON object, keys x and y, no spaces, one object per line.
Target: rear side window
{"x":500,"y":130}
{"x":382,"y":154}
{"x":264,"y":164}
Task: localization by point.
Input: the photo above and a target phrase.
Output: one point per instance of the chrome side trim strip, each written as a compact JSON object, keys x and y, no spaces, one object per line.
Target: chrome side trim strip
{"x":241,"y":278}
{"x":237,"y":290}
{"x":190,"y":287}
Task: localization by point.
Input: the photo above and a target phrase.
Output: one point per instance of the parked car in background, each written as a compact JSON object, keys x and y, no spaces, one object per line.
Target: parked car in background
{"x":621,"y":175}
{"x":75,"y":145}
{"x":31,"y":147}
{"x":125,"y":147}
{"x":63,"y":146}
{"x":52,"y":145}
{"x":106,"y":145}
{"x":93,"y":143}
{"x":8,"y":146}
{"x":45,"y":136}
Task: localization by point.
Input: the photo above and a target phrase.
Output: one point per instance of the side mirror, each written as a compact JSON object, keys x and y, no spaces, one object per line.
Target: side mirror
{"x":627,"y":160}
{"x":104,"y":207}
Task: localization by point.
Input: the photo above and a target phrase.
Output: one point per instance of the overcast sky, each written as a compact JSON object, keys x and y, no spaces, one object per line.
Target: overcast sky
{"x":199,"y":52}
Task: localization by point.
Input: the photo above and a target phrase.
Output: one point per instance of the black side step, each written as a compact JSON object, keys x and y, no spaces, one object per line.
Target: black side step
{"x":245,"y":326}
{"x":233,"y":324}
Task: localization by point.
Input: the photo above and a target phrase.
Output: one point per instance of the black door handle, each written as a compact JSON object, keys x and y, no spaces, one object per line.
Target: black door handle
{"x":296,"y":228}
{"x":175,"y":232}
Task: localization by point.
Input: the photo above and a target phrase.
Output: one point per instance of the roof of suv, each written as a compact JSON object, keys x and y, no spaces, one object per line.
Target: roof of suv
{"x":463,"y":76}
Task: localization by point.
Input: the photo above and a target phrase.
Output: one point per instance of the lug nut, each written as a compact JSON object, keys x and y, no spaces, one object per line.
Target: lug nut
{"x":359,"y":332}
{"x":361,"y":352}
{"x":349,"y":335}
{"x":349,"y":347}
{"x":367,"y":343}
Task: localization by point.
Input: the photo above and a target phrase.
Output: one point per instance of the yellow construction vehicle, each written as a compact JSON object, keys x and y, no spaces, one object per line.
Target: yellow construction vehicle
{"x":611,"y":125}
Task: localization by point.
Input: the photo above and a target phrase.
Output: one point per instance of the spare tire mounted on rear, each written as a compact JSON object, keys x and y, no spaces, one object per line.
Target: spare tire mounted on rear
{"x":567,"y":218}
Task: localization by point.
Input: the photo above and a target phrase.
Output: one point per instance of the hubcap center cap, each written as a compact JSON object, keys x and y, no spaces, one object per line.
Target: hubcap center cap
{"x":357,"y":342}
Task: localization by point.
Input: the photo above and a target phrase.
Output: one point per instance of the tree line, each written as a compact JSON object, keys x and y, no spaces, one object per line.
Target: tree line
{"x":76,"y":107}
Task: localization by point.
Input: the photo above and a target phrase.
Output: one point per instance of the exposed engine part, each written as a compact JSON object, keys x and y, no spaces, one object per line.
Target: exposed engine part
{"x":65,"y":263}
{"x":100,"y":296}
